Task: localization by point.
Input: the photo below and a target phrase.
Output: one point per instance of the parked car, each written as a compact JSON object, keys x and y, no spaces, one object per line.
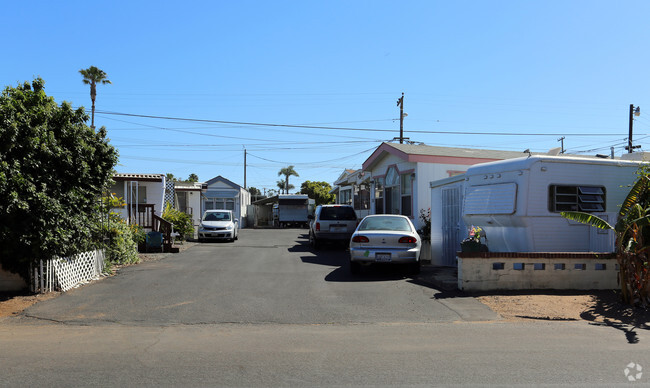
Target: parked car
{"x":332,"y":223}
{"x":385,"y":238}
{"x":218,"y":225}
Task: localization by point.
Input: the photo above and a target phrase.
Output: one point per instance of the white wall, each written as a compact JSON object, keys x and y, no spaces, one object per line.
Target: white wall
{"x":479,"y":274}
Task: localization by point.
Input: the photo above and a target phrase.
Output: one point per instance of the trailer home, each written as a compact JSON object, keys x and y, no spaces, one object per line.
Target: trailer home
{"x":518,"y":202}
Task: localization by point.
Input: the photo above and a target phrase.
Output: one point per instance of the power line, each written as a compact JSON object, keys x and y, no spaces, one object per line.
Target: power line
{"x":519,"y":133}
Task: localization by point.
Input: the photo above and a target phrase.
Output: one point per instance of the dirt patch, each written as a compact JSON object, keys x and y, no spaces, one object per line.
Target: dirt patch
{"x":600,"y":306}
{"x":13,"y":303}
{"x":542,"y":307}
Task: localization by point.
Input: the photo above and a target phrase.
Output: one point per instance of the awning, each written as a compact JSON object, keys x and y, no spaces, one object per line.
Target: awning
{"x":221,"y":194}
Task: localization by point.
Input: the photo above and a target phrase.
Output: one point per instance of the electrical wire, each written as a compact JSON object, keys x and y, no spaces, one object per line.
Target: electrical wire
{"x":519,"y":133}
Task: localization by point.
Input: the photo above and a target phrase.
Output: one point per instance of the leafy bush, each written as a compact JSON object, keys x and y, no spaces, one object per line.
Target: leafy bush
{"x":182,"y":222}
{"x":122,"y":247}
{"x":53,"y":169}
{"x":425,"y":230}
{"x":120,"y":239}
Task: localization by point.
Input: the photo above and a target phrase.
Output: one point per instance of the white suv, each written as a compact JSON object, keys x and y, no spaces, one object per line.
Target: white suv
{"x":333,"y":223}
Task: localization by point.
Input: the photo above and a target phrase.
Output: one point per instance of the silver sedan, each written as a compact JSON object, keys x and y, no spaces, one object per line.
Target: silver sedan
{"x":385,"y":238}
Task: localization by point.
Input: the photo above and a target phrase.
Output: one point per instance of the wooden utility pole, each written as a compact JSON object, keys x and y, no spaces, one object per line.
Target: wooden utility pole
{"x":245,"y":187}
{"x":400,"y":103}
{"x":630,"y":148}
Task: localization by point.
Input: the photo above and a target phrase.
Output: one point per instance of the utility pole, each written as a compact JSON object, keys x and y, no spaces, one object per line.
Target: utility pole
{"x":633,"y":112}
{"x":400,"y":103}
{"x":245,"y":187}
{"x":562,"y":140}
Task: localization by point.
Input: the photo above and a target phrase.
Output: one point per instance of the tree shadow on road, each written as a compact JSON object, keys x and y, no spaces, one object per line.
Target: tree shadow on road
{"x":609,"y":311}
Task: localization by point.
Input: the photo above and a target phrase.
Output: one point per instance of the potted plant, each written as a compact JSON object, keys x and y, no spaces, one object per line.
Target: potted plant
{"x":425,"y":235}
{"x":473,"y":242}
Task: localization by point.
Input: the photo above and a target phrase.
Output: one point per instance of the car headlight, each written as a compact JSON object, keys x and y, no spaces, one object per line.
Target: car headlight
{"x":229,"y":227}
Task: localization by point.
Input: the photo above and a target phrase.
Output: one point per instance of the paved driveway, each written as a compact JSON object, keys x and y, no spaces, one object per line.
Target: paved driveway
{"x":267,"y":276}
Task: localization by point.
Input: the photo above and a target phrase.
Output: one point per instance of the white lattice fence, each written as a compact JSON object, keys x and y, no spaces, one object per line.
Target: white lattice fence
{"x":65,"y":273}
{"x":169,"y":194}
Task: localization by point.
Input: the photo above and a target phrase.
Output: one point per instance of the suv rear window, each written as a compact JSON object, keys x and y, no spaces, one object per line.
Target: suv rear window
{"x":342,"y":213}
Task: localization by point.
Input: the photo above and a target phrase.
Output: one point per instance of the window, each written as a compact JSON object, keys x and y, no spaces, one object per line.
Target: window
{"x":335,"y":213}
{"x":136,"y":190}
{"x":361,"y":197}
{"x":219,"y":204}
{"x":379,"y":196}
{"x":407,"y":183}
{"x":590,"y":199}
{"x":346,"y":197}
{"x":392,"y":192}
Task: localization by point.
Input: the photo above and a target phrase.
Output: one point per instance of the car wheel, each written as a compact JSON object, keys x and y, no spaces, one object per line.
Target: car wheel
{"x":355,"y":268}
{"x":313,"y":242}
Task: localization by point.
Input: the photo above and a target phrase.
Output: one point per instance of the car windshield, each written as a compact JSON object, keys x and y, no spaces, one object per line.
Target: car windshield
{"x":217,"y":216}
{"x":342,"y":213}
{"x":386,"y":223}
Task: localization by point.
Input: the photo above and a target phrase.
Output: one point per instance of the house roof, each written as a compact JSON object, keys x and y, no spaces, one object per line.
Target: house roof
{"x":434,"y":154}
{"x":138,"y":177}
{"x":224,"y":180}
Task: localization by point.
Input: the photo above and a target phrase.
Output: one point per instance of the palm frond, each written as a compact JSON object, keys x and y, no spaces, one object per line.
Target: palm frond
{"x":587,"y":218}
{"x":633,"y":197}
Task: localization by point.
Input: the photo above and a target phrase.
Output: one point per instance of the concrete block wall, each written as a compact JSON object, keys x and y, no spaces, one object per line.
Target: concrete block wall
{"x":490,"y":271}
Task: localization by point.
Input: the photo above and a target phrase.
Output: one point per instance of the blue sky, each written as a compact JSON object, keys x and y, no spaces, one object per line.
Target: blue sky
{"x":469,"y":69}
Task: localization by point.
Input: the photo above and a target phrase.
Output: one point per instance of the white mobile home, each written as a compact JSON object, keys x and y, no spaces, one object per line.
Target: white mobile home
{"x":143,"y":194}
{"x":220,"y":193}
{"x":187,"y":198}
{"x":518,"y":202}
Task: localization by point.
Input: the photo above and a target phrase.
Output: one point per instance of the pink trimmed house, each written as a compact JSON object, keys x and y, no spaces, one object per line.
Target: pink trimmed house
{"x":400,"y":174}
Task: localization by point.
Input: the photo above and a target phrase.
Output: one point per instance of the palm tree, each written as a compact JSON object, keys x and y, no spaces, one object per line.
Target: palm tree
{"x":632,"y":231}
{"x":281,"y":186}
{"x":93,"y":76}
{"x":287,"y":172}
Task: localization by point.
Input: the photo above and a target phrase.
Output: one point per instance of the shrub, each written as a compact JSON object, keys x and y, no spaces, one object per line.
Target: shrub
{"x":182,"y":222}
{"x":425,"y":230}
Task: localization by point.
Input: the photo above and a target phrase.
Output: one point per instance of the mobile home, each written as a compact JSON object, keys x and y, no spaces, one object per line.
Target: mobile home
{"x":518,"y":202}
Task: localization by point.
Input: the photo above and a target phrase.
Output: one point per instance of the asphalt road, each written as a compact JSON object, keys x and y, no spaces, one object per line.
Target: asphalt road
{"x":266,"y":311}
{"x":267,"y":276}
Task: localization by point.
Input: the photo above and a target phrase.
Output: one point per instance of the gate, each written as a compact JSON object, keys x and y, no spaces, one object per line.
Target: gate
{"x":451,"y":220}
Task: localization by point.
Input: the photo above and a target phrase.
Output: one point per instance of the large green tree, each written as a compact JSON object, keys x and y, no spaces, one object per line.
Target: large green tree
{"x":287,"y":172}
{"x":318,"y":191}
{"x":93,"y":76}
{"x":53,"y":170}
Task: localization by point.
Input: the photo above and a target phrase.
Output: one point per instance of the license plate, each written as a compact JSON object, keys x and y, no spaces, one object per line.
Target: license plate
{"x":337,"y":229}
{"x":382,"y":257}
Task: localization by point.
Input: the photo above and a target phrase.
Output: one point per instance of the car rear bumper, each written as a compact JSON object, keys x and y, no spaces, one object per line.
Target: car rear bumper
{"x":333,"y":236}
{"x":217,"y":235}
{"x":373,"y":255}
